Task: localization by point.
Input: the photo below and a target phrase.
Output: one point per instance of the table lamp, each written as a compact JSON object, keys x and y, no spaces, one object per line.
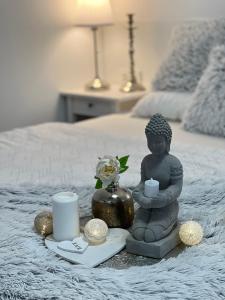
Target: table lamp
{"x":93,"y":14}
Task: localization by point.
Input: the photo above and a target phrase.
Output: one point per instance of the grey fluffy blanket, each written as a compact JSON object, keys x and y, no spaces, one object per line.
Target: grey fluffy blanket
{"x":29,"y":271}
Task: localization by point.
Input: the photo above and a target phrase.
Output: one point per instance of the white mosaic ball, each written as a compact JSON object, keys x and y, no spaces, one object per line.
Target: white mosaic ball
{"x":95,"y":231}
{"x":191,"y":233}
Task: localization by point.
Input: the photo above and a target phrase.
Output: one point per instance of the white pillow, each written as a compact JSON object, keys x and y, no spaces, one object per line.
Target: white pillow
{"x":171,"y":105}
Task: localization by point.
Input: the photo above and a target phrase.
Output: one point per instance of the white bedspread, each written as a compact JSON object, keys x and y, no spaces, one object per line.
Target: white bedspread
{"x":66,"y":154}
{"x":55,"y":154}
{"x":122,"y":125}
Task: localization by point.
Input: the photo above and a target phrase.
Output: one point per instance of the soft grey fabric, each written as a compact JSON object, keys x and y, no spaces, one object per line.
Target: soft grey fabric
{"x":29,"y":271}
{"x":171,"y":105}
{"x":207,"y":112}
{"x":188,"y":54}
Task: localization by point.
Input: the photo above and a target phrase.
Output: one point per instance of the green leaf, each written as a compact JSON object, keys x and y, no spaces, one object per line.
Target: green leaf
{"x":98,"y":184}
{"x":123,"y":160}
{"x":123,"y":169}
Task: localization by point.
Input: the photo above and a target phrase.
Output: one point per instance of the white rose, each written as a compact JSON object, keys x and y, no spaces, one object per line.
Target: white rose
{"x":107,"y":170}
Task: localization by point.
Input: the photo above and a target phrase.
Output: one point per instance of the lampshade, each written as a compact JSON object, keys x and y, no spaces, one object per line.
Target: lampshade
{"x":93,"y":13}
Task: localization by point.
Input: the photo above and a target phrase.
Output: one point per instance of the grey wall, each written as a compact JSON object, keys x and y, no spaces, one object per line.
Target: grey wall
{"x":41,"y":52}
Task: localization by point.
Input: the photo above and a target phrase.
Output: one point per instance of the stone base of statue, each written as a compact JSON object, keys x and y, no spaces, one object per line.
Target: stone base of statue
{"x":156,"y":249}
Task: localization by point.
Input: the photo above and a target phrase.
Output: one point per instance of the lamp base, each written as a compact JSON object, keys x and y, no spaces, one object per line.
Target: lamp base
{"x":97,"y":84}
{"x":131,"y":86}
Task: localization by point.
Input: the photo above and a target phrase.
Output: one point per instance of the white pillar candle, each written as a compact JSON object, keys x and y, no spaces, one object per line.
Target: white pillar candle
{"x":151,"y":188}
{"x":65,"y":216}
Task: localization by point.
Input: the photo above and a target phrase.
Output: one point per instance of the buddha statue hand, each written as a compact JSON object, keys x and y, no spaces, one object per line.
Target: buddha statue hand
{"x":161,"y":200}
{"x":140,"y":198}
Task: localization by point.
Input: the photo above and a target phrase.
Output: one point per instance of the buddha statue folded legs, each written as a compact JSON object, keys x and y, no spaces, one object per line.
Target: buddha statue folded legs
{"x":150,"y":225}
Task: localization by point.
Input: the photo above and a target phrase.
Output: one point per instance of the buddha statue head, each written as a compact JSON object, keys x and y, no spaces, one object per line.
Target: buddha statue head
{"x":159,"y":135}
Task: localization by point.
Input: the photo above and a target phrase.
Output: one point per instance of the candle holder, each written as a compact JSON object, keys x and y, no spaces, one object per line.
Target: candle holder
{"x":132,"y":84}
{"x":155,"y":231}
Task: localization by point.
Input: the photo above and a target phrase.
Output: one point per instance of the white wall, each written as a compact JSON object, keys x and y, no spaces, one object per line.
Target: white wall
{"x":155,"y":20}
{"x":41,"y":52}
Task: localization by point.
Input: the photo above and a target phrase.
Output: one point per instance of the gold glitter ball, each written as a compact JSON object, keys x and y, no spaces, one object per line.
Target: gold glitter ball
{"x":43,"y":223}
{"x":191,"y":233}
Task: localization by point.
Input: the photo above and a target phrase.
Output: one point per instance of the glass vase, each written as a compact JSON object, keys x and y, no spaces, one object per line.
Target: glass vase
{"x":114,"y":205}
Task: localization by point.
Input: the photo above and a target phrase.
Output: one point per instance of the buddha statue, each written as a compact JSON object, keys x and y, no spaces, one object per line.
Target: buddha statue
{"x":157,"y":215}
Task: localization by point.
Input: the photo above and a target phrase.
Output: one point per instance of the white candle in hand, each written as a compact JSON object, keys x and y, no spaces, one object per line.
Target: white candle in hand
{"x":151,"y":188}
{"x":65,"y":216}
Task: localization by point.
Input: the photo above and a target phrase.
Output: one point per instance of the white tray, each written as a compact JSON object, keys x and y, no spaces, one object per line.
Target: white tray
{"x":93,"y":255}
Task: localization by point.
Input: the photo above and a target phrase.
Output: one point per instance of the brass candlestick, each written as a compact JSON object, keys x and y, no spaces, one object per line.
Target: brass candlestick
{"x":132,"y":84}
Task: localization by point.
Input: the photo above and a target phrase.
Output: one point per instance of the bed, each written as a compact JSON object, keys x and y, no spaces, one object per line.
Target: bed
{"x":38,"y":161}
{"x":66,"y":154}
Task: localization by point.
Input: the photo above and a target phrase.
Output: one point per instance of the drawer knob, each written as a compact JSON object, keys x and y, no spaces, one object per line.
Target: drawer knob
{"x":90,"y":105}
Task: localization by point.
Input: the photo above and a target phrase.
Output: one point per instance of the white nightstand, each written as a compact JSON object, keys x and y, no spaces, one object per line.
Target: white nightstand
{"x":81,"y":104}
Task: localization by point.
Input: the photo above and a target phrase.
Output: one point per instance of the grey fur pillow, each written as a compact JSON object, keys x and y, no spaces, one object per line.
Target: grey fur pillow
{"x":187,"y":58}
{"x":206,"y":114}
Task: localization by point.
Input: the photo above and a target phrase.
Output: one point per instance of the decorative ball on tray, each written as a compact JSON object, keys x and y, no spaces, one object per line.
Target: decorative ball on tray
{"x":191,"y":233}
{"x":112,"y":203}
{"x":95,"y":231}
{"x":43,"y":223}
